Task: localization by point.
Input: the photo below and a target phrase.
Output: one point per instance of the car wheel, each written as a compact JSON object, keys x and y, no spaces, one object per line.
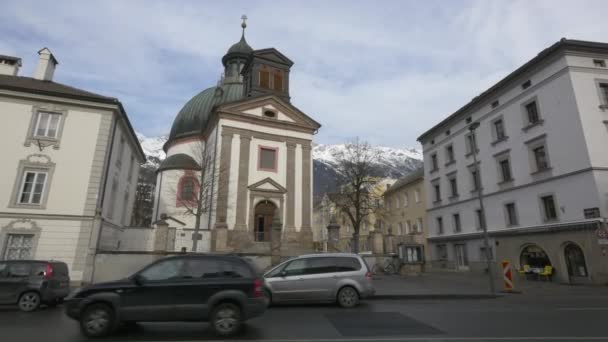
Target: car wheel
{"x":267,"y":297}
{"x":29,"y":301}
{"x":97,"y":320}
{"x":348,"y":297}
{"x":226,"y":319}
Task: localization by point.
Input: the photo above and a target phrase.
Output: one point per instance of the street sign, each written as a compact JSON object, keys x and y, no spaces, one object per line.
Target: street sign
{"x":508,"y":275}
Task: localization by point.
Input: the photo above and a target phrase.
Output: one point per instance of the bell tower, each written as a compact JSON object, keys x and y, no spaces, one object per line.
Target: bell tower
{"x":266,"y":73}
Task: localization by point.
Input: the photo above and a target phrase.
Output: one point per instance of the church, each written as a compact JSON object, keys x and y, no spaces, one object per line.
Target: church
{"x":238,"y":154}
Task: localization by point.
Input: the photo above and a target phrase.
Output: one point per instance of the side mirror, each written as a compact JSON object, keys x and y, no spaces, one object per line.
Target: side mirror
{"x":138,"y":280}
{"x":283,"y":274}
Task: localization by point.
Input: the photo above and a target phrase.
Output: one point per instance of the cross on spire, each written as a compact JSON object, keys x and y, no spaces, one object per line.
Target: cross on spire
{"x":244,"y":23}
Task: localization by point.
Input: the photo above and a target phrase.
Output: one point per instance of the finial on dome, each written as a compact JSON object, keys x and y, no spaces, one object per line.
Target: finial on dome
{"x":244,"y":23}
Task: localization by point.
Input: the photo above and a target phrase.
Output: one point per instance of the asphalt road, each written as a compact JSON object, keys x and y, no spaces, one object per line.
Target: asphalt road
{"x":512,"y":318}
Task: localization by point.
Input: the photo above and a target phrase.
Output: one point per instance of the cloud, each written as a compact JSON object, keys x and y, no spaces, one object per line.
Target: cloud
{"x":383,"y":73}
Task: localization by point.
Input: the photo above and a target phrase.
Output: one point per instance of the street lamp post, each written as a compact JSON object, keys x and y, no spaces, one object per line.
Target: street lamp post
{"x":472,"y":128}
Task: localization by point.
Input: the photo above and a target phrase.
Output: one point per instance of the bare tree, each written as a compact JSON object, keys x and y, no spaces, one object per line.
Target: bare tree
{"x":143,"y":205}
{"x":357,"y":197}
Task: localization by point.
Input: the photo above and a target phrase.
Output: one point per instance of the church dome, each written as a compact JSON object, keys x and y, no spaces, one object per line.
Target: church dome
{"x":192,"y":119}
{"x":240,"y":50}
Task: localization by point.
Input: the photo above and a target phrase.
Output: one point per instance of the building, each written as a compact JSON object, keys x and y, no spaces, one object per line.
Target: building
{"x":254,"y":149}
{"x":405,"y":218}
{"x":543,"y":169}
{"x":69,"y":170}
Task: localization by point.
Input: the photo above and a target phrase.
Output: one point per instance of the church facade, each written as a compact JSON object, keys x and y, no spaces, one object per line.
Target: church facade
{"x":239,"y":154}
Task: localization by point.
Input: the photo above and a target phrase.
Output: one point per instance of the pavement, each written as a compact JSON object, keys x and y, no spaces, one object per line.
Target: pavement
{"x":459,"y":285}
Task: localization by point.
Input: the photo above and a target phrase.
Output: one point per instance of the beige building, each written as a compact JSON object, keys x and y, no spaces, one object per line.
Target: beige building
{"x":405,"y":218}
{"x":69,"y":168}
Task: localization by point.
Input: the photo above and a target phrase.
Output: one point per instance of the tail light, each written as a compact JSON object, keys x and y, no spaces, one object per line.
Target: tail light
{"x":257,"y":288}
{"x":48,"y":272}
{"x":368,"y":275}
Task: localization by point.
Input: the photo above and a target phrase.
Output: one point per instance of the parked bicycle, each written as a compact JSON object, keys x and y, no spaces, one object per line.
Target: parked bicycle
{"x":389,"y":267}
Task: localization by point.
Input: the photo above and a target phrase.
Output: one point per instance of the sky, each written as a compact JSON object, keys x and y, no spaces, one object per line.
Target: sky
{"x":381,"y":71}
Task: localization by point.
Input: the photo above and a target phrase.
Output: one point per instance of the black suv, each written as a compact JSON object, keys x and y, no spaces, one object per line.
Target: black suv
{"x":29,"y":283}
{"x":221,"y":289}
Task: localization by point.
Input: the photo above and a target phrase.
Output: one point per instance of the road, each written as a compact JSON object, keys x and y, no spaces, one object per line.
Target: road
{"x":511,"y":318}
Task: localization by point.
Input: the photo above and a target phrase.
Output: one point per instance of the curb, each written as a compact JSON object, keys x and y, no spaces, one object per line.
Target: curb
{"x":435,"y":296}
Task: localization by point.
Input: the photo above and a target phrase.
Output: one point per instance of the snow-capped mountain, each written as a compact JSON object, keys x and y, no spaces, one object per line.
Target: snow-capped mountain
{"x":391,"y":162}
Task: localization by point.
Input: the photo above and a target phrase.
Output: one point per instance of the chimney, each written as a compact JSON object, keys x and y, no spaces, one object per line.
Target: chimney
{"x":9,"y":65}
{"x":46,"y":65}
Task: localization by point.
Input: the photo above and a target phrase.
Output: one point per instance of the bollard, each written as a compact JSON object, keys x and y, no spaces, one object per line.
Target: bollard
{"x":507,"y":275}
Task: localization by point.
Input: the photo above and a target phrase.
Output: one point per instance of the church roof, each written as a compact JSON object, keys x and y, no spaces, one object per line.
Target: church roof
{"x":178,"y":161}
{"x":194,"y":116}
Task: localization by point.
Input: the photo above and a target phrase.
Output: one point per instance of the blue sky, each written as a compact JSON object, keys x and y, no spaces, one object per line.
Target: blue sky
{"x":384,"y":71}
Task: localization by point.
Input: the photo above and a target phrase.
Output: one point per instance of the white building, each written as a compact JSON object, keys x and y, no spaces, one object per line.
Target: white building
{"x":544,"y":168}
{"x":254,"y":147}
{"x":70,"y":161}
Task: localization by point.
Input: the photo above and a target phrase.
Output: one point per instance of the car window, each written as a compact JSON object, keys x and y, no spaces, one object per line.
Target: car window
{"x":202,"y":268}
{"x":3,"y":270}
{"x":347,"y":264}
{"x":237,"y":269}
{"x":321,"y":265}
{"x":296,"y":267}
{"x":38,"y":269}
{"x":61,"y":269}
{"x":18,"y":270}
{"x":163,"y":270}
{"x":275,"y":272}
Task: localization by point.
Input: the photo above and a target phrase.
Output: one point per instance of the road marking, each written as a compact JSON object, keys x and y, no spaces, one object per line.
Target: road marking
{"x":419,"y":339}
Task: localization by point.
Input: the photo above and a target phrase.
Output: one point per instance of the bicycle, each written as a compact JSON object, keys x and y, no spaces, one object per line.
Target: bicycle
{"x":390,"y":266}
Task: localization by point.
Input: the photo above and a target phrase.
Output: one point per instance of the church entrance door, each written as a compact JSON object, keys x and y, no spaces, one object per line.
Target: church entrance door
{"x":264,"y":213}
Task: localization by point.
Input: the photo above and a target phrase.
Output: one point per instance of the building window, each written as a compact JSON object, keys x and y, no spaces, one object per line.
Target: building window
{"x":499,"y":130}
{"x":434,"y":163}
{"x":600,"y":63}
{"x":32,"y":187}
{"x":112,"y":199}
{"x":449,"y":152}
{"x":505,"y":170}
{"x":419,"y":227}
{"x":549,"y":211}
{"x":264,"y":79}
{"x":437,"y":190}
{"x":397,"y":204}
{"x":270,"y":114}
{"x":47,"y":125}
{"x":412,"y":254}
{"x":267,"y":159}
{"x":540,"y":157}
{"x":532,"y":113}
{"x":468,"y":120}
{"x":604,"y":94}
{"x":442,"y":252}
{"x":417,"y":195}
{"x":471,"y":143}
{"x":408,"y":227}
{"x":406,"y":200}
{"x":439,"y":225}
{"x":457,"y":226}
{"x":277,"y":81}
{"x":454,"y":186}
{"x":511,"y":214}
{"x":19,"y":247}
{"x":400,"y":232}
{"x":475,"y":179}
{"x":121,"y":151}
{"x":526,"y":84}
{"x":479,"y":219}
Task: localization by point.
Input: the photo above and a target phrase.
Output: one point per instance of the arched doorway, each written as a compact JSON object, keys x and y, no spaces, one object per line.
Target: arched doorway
{"x":534,"y":257}
{"x":575,"y":262}
{"x":263,"y":216}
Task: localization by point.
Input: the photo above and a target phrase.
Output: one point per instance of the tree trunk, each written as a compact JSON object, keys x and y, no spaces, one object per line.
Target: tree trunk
{"x":355,"y":248}
{"x":199,"y":210}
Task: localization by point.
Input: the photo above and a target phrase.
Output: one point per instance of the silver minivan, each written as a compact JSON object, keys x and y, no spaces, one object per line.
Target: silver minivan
{"x":338,"y":277}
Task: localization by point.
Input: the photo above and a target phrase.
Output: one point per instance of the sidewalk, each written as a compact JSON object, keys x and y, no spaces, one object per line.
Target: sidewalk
{"x":457,"y":285}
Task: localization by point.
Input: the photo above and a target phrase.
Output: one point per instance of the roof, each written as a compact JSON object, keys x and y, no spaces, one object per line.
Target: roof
{"x":238,"y":49}
{"x":410,"y":178}
{"x":194,"y":116}
{"x":11,"y":58}
{"x":558,"y":47}
{"x":178,"y":161}
{"x":36,"y":86}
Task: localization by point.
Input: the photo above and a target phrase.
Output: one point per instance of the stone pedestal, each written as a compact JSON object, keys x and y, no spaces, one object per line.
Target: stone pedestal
{"x":377,"y":243}
{"x":219,"y":238}
{"x":389,"y":246}
{"x":333,"y":236}
{"x":161,"y":235}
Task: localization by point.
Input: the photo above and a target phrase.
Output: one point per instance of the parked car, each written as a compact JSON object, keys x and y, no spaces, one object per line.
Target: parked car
{"x":223,"y":290}
{"x":340,"y":277}
{"x":29,"y":283}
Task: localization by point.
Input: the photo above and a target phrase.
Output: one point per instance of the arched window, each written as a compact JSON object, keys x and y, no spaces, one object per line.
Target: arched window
{"x":187,"y":189}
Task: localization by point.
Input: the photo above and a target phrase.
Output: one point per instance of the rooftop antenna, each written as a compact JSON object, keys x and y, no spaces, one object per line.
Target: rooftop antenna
{"x":244,"y":24}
